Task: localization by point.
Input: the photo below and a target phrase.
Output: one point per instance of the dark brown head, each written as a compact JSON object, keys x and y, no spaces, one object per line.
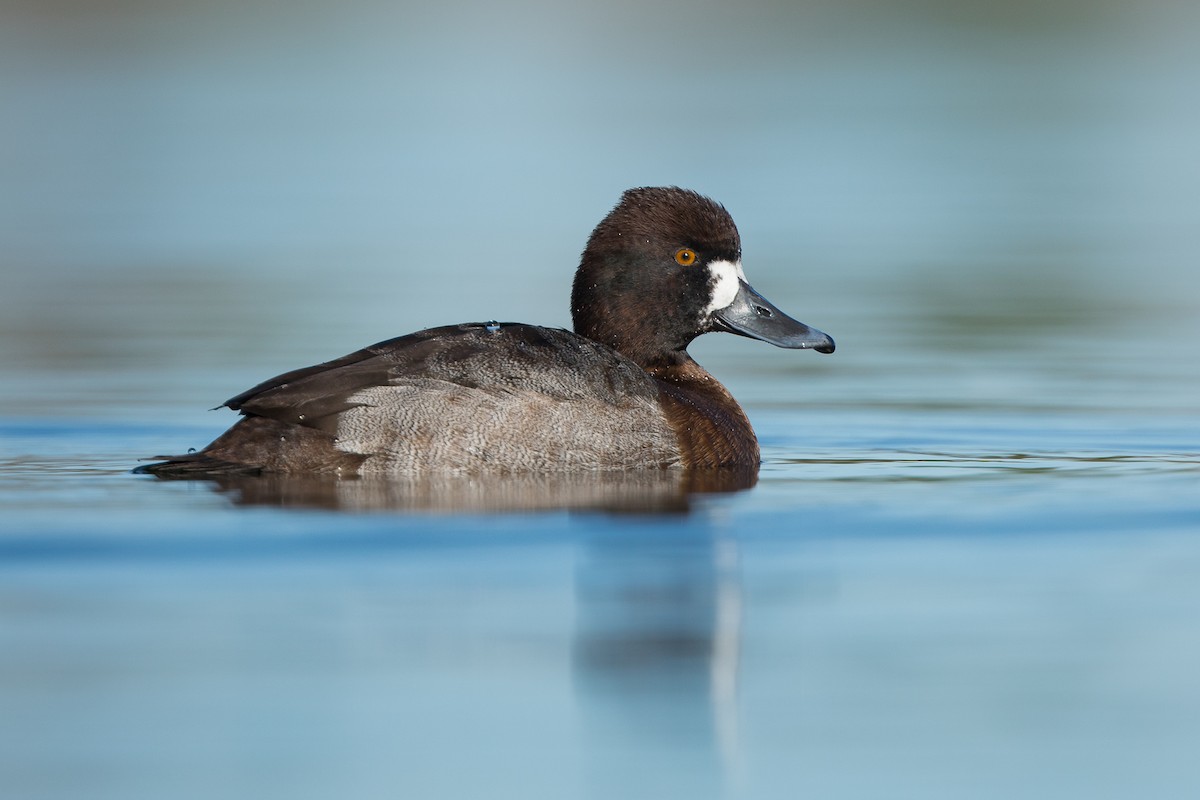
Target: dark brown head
{"x":664,"y":267}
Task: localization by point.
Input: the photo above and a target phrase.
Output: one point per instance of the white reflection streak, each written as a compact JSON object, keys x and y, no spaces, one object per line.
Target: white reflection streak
{"x":725,"y":655}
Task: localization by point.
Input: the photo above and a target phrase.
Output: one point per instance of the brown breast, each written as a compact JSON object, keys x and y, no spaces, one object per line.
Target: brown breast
{"x":711,"y":427}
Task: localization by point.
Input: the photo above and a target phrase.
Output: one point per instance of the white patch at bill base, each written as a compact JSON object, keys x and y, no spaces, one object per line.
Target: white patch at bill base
{"x":726,"y":276}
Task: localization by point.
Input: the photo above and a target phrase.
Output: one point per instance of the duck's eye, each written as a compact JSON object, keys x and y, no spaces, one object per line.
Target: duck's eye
{"x":685,"y":257}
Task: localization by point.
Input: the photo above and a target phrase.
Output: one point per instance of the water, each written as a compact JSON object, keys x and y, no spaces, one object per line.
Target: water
{"x":968,"y":566}
{"x":956,"y":619}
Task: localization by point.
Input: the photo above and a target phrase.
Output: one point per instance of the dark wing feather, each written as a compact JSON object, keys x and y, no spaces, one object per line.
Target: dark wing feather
{"x":314,"y":396}
{"x":554,"y":362}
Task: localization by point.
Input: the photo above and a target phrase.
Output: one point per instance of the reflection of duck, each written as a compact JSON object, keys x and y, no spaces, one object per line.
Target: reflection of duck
{"x":656,"y":659}
{"x":656,"y":491}
{"x":662,"y":268}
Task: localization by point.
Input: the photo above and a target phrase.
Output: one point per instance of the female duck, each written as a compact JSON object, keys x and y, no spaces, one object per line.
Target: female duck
{"x":620,"y":392}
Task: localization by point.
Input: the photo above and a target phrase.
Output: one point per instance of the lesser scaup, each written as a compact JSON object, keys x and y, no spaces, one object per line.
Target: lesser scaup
{"x":620,"y":392}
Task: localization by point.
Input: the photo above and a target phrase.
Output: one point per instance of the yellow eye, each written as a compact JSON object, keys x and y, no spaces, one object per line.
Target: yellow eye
{"x":685,"y":257}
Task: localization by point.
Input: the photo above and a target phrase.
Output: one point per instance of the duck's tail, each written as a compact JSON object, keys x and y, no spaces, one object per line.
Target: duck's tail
{"x":257,"y":445}
{"x":195,"y":465}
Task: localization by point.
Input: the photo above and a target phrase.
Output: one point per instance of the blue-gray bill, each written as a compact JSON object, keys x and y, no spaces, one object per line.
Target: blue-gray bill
{"x":751,"y":314}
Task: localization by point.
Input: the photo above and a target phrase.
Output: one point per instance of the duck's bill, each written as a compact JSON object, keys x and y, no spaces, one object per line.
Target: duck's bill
{"x":751,"y":314}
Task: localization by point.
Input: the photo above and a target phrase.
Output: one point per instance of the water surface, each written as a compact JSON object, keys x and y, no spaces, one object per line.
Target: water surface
{"x":955,"y":607}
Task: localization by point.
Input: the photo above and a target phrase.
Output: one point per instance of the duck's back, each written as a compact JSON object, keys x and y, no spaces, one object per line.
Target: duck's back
{"x":462,"y":398}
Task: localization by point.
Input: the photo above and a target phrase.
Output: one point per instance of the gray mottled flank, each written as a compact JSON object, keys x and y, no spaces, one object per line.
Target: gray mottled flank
{"x":465,"y":399}
{"x":422,"y":425}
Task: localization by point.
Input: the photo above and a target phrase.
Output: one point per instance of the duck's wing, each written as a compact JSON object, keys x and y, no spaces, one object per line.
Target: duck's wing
{"x":492,"y":357}
{"x":313,"y":396}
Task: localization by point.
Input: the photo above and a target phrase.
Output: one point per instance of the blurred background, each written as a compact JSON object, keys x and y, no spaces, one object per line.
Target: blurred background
{"x":983,"y":202}
{"x":970,"y":566}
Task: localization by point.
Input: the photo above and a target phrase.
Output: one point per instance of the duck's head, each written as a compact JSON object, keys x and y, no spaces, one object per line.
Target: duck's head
{"x":666,"y":266}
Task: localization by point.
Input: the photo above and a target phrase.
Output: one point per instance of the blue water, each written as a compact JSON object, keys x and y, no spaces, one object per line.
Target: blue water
{"x":970,"y":565}
{"x":930,"y":612}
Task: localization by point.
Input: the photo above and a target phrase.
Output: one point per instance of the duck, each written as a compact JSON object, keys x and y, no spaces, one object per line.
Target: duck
{"x":618,"y":392}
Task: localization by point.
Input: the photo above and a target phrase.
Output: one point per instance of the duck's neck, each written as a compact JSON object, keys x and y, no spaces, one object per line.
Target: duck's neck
{"x":712,"y":429}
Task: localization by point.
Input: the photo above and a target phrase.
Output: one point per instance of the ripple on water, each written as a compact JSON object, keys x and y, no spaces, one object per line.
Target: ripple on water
{"x":904,"y":465}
